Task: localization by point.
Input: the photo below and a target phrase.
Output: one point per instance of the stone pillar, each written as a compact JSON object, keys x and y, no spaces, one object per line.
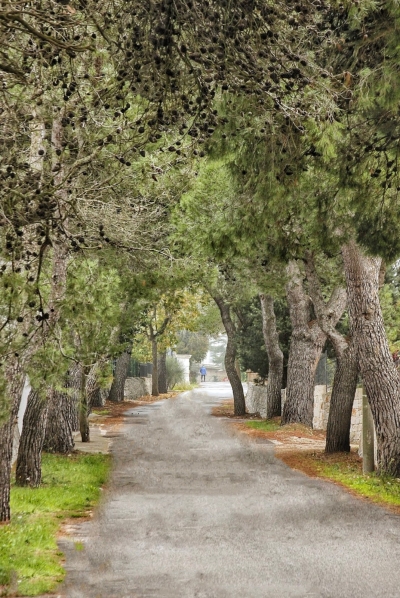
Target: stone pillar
{"x":184,"y":360}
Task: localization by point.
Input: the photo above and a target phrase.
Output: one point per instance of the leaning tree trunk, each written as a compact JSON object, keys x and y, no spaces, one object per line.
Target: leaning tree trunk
{"x":120,"y":375}
{"x":345,"y":381}
{"x":275,"y":356}
{"x":342,"y":399}
{"x":306,"y":344}
{"x":380,"y":377}
{"x":162,"y":372}
{"x":154,"y":378}
{"x":29,"y":461}
{"x":230,"y":357}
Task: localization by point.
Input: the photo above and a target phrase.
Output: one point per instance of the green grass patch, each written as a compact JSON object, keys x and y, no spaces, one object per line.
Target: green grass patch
{"x":101,"y":411}
{"x":181,"y":386}
{"x":30,"y":562}
{"x":264,"y":426}
{"x":381,"y":489}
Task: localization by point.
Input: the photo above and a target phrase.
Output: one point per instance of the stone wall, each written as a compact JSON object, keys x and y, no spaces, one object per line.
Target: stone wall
{"x":136,"y":388}
{"x":256,"y":398}
{"x":321,"y":407}
{"x":356,"y":417}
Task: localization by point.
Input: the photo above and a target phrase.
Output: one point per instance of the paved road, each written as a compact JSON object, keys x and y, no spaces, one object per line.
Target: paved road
{"x":197,"y":512}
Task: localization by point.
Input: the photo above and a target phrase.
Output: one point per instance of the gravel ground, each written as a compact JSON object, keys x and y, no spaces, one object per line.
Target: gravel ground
{"x":195,"y":510}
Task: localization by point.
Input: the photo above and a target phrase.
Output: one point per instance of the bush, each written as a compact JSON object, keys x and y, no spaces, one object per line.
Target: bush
{"x":175,"y":372}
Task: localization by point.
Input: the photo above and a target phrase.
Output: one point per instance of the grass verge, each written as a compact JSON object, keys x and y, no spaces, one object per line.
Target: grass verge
{"x":181,"y":386}
{"x":346,"y":470}
{"x":30,"y":562}
{"x":101,"y":411}
{"x":265,"y":425}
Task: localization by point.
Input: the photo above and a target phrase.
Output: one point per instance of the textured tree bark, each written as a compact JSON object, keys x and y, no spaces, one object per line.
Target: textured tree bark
{"x":368,"y":444}
{"x":15,"y":378}
{"x":29,"y":461}
{"x":275,"y":356}
{"x":6,"y":435}
{"x":162,"y":372}
{"x":92,"y":385}
{"x":342,"y":399}
{"x":153,"y":335}
{"x":379,"y":374}
{"x":62,"y":417}
{"x":345,"y":380}
{"x":328,"y":313}
{"x":154,"y":378}
{"x":62,"y":420}
{"x":34,"y":425}
{"x":16,"y":382}
{"x":306,"y":344}
{"x":84,"y":407}
{"x":230,"y":356}
{"x":14,"y":366}
{"x":121,"y":372}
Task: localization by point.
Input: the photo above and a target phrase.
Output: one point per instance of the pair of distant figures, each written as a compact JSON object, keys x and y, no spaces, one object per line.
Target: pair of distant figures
{"x":203,"y":373}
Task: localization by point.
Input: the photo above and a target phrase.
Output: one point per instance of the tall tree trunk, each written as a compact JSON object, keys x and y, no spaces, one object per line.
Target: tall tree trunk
{"x":29,"y":461}
{"x":14,"y":365}
{"x":154,"y":378}
{"x":29,"y":470}
{"x":15,"y":378}
{"x":153,"y":335}
{"x":84,"y":407}
{"x":345,"y":380}
{"x":342,"y":399}
{"x":63,"y":415}
{"x":121,"y":372}
{"x":6,"y":446}
{"x":230,"y":356}
{"x":99,"y":397}
{"x":275,"y":356}
{"x":74,"y":383}
{"x":306,"y":344}
{"x":92,"y":385}
{"x":62,"y":420}
{"x":379,"y":374}
{"x":162,"y":372}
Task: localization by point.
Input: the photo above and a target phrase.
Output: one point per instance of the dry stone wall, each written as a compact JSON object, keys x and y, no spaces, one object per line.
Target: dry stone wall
{"x":256,"y":399}
{"x":136,"y":388}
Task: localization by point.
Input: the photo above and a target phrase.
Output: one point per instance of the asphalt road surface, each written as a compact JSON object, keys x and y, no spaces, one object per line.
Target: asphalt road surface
{"x":194,"y":511}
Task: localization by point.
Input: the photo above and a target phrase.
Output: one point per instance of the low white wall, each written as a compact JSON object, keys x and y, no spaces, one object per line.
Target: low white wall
{"x":136,"y":388}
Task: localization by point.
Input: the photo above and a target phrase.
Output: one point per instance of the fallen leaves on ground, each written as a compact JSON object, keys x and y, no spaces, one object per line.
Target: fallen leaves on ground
{"x":112,"y":414}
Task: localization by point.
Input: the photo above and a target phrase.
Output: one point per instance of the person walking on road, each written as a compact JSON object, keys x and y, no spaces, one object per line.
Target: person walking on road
{"x":203,"y":373}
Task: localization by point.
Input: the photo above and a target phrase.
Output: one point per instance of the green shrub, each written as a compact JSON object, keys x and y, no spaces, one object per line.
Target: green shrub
{"x":175,"y":372}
